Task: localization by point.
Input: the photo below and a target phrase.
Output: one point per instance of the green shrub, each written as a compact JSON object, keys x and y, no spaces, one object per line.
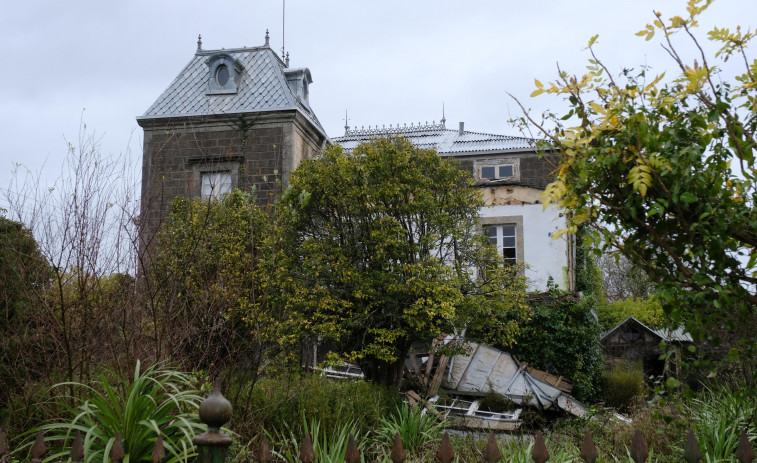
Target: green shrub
{"x":562,"y":337}
{"x":625,"y":383}
{"x":648,"y":311}
{"x":155,"y":403}
{"x":280,"y":404}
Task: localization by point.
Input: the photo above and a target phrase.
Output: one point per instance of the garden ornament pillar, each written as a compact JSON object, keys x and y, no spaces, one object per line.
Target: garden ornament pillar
{"x":215,"y":411}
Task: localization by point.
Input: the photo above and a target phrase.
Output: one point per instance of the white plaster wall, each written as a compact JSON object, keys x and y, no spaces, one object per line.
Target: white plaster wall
{"x":544,"y":256}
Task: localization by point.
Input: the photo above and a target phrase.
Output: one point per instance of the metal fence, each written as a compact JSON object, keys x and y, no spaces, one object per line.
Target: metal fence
{"x":212,"y":445}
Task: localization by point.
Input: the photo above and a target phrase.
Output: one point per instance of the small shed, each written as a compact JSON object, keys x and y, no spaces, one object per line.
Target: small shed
{"x":633,"y":341}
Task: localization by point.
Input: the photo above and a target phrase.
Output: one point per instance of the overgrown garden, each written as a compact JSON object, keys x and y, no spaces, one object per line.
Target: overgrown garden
{"x":368,"y":251}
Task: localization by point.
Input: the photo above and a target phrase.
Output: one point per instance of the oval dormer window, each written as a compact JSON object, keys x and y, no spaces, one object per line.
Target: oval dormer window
{"x":222,"y":75}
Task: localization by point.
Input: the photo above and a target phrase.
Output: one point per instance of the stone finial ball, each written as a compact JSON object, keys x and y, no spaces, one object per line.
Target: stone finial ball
{"x":215,"y":410}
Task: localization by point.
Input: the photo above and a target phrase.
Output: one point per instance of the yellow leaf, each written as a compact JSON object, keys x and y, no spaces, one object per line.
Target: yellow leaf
{"x":538,"y":84}
{"x":597,"y":108}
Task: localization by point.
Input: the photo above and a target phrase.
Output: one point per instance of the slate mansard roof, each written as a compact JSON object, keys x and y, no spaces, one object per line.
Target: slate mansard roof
{"x":447,"y":142}
{"x":263,"y":87}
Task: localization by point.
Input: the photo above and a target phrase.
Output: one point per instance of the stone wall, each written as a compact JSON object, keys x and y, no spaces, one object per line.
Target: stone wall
{"x":258,"y":153}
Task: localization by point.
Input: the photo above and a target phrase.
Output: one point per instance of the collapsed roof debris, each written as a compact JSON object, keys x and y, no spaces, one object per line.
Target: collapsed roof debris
{"x":485,"y":370}
{"x":468,"y":377}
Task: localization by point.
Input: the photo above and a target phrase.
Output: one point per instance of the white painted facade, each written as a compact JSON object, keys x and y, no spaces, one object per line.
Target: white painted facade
{"x":543,"y":256}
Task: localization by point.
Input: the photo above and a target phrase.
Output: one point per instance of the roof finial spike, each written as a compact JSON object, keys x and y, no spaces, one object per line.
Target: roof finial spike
{"x":287,"y":60}
{"x":346,"y":123}
{"x":444,"y":118}
{"x":199,"y":42}
{"x":267,"y":39}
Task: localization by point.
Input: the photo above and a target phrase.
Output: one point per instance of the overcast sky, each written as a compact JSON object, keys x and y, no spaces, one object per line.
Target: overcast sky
{"x":391,"y":61}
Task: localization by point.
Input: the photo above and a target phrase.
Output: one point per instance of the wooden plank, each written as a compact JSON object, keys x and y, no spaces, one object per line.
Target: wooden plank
{"x":412,"y":395}
{"x":434,"y":386}
{"x":430,"y":361}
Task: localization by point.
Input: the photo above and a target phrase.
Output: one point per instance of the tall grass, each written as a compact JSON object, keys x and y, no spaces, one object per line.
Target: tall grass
{"x":328,"y":447}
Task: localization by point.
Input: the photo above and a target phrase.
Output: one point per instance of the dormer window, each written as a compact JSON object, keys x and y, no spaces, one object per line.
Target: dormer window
{"x":497,"y":171}
{"x":224,"y":74}
{"x":299,"y":80}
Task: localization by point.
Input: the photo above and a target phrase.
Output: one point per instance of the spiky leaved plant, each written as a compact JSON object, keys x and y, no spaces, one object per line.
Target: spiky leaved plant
{"x":156,"y":402}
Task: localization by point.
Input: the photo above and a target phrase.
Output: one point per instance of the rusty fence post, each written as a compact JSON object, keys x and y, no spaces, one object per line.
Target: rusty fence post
{"x":215,"y":411}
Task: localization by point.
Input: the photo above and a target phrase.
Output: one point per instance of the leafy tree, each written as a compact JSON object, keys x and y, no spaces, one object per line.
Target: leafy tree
{"x":383,"y":250}
{"x":216,"y":309}
{"x":665,"y":173}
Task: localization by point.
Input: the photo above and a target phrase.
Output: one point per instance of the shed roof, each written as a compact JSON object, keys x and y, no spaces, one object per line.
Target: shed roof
{"x":263,"y":87}
{"x":665,"y":334}
{"x":445,"y":141}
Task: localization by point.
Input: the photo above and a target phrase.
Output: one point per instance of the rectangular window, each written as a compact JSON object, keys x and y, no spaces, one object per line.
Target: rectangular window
{"x":497,"y":171}
{"x":215,"y":185}
{"x":503,"y":236}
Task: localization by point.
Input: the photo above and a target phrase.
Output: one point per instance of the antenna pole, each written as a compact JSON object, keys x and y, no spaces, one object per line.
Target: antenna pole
{"x":283,"y":26}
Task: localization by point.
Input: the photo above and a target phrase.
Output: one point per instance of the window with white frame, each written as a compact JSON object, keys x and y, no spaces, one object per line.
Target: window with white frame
{"x":497,"y":171}
{"x":215,"y":185}
{"x":503,"y":236}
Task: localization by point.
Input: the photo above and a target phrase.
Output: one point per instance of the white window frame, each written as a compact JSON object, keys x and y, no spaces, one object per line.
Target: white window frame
{"x":515,"y":221}
{"x":505,"y":237}
{"x":496,"y":168}
{"x":215,"y":184}
{"x":201,"y":166}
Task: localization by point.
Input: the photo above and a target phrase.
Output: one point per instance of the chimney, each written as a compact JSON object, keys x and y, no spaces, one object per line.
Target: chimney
{"x":462,"y":128}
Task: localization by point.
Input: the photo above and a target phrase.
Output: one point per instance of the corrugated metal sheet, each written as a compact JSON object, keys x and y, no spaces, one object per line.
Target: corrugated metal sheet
{"x":665,"y":334}
{"x":445,"y":141}
{"x":488,"y":369}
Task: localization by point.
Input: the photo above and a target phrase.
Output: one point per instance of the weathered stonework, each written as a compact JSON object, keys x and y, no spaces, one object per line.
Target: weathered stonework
{"x":241,"y":115}
{"x":259,"y":152}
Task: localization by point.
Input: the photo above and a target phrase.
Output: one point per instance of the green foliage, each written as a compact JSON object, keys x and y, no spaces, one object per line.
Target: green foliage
{"x":415,"y":428}
{"x":625,"y":384}
{"x":277,"y":401}
{"x":383,"y":249}
{"x":648,"y":311}
{"x":665,"y":173}
{"x":588,"y":273}
{"x":24,"y":273}
{"x":216,"y":305}
{"x":720,"y":416}
{"x":328,"y":447}
{"x":494,"y":402}
{"x":22,"y":266}
{"x":562,"y":337}
{"x":155,"y":403}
